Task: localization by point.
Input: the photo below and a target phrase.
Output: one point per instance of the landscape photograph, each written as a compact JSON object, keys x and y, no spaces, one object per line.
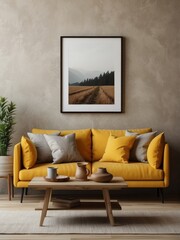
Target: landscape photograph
{"x":98,"y":90}
{"x":91,"y":74}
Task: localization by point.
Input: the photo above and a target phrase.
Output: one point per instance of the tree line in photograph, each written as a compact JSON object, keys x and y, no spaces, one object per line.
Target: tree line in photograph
{"x":105,"y":79}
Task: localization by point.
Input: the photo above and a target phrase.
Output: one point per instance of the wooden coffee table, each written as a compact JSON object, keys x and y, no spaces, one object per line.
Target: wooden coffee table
{"x":40,"y":183}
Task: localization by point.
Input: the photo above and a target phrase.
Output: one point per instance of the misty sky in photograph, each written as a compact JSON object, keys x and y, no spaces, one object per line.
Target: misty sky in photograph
{"x":93,"y":54}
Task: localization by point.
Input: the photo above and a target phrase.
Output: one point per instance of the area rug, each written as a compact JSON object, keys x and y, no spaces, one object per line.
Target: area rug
{"x":90,"y":222}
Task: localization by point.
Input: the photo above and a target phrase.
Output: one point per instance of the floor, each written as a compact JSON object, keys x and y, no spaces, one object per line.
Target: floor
{"x":85,"y":237}
{"x":31,"y":201}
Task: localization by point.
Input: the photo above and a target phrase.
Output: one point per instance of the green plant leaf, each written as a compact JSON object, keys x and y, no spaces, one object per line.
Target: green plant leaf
{"x":7,"y":117}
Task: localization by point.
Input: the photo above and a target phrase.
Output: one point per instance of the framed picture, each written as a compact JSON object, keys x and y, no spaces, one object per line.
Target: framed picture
{"x":91,"y":74}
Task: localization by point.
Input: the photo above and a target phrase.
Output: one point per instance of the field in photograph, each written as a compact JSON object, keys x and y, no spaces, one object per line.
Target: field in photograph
{"x":91,"y":94}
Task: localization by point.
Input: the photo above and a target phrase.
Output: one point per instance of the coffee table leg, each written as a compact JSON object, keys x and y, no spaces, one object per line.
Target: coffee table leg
{"x":108,"y":206}
{"x":45,"y":205}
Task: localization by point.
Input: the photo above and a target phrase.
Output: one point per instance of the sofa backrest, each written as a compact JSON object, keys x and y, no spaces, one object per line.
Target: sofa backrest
{"x":91,"y":143}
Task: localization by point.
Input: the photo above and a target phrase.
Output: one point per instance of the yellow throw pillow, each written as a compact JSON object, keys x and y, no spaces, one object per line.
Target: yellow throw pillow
{"x":155,"y":151}
{"x":29,"y":152}
{"x":99,"y":141}
{"x":118,"y":149}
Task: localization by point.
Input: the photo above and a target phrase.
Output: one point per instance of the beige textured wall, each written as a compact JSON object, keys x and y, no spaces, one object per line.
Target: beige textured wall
{"x":30,"y":33}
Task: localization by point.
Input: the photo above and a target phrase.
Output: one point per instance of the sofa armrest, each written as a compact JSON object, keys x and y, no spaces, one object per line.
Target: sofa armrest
{"x":166,"y":165}
{"x":17,"y":163}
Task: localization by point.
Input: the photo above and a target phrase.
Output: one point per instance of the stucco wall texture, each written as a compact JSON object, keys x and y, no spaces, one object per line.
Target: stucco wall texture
{"x":30,"y":33}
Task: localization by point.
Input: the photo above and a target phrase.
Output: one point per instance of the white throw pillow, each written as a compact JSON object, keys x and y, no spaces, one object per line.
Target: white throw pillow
{"x":43,"y":150}
{"x":139,"y":149}
{"x":63,"y":148}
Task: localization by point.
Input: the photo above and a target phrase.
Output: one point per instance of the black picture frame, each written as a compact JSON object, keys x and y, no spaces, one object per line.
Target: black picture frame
{"x":91,"y":74}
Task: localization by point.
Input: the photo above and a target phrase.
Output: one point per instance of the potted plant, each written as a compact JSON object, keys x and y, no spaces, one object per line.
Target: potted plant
{"x":7,"y":117}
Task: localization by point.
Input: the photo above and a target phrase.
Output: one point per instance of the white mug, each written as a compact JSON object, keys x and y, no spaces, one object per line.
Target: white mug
{"x":52,"y":172}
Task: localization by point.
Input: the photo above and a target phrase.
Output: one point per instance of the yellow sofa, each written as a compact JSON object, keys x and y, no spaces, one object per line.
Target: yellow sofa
{"x":91,"y":144}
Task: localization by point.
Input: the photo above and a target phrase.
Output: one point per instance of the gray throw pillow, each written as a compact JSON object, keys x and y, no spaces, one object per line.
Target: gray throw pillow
{"x":63,"y":148}
{"x":43,"y":150}
{"x":139,"y":149}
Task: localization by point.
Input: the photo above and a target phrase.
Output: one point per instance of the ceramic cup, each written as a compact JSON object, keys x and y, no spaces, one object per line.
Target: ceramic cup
{"x":51,"y":172}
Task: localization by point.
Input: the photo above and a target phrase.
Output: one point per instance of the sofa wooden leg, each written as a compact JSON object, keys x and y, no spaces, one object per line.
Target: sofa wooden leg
{"x":26,"y":191}
{"x":22,"y":194}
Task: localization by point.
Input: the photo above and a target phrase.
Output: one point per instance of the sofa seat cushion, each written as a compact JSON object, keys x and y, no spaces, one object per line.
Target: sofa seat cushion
{"x":40,"y":170}
{"x":130,"y":171}
{"x":100,"y":138}
{"x":83,"y":139}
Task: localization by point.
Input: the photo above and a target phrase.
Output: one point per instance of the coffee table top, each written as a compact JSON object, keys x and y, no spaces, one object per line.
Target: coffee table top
{"x":73,"y":184}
